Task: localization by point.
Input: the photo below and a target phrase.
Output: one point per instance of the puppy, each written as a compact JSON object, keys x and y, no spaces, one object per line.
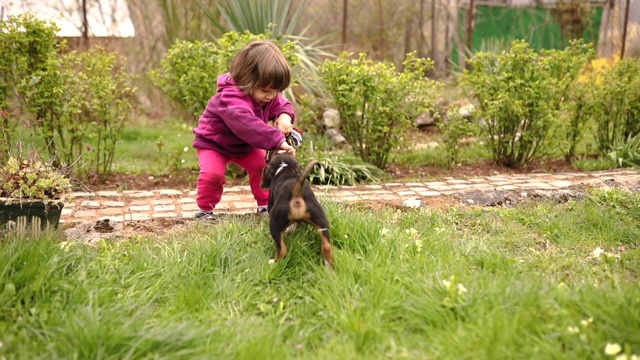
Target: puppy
{"x":291,"y":200}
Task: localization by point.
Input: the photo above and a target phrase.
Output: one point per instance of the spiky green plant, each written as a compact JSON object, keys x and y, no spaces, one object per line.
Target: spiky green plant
{"x":280,"y":19}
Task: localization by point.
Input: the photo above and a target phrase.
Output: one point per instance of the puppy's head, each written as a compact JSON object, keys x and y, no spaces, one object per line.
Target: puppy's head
{"x":280,"y":165}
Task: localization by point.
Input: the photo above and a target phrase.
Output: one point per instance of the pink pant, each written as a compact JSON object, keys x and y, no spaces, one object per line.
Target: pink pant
{"x":211,"y":179}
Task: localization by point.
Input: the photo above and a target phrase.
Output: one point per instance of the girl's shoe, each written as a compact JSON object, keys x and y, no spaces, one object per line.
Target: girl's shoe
{"x":204,"y":215}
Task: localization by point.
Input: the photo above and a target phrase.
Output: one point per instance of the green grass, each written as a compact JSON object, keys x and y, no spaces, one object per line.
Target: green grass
{"x":156,"y":148}
{"x":469,"y":154}
{"x":523,"y":283}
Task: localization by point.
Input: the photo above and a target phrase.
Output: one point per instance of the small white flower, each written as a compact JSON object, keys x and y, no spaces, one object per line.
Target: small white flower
{"x":182,"y":161}
{"x":586,"y":322}
{"x":573,"y":330}
{"x":411,"y":231}
{"x":461,"y":289}
{"x":597,"y":252}
{"x":446,"y":283}
{"x":186,"y":148}
{"x":384,"y":231}
{"x":622,"y":357}
{"x":612,"y":349}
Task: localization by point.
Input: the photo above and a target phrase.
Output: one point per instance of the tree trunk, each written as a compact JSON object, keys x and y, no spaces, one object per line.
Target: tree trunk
{"x":345,"y":8}
{"x":434,"y":32}
{"x":472,"y":8}
{"x":149,"y":43}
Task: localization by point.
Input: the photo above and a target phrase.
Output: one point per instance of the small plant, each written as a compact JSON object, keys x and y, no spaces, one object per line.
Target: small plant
{"x":453,"y":130}
{"x":627,"y":153}
{"x":29,"y":176}
{"x":348,"y":170}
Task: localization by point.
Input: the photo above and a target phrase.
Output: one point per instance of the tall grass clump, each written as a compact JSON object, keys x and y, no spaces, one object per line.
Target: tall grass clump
{"x":546,"y":280}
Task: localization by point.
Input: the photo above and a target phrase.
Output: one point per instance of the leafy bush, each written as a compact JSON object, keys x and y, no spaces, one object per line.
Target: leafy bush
{"x":580,"y":105}
{"x":70,"y":99}
{"x":377,"y":104}
{"x":616,"y":105}
{"x":26,"y":44}
{"x":108,"y":93}
{"x":189,"y":71}
{"x":520,"y":93}
{"x":80,"y":98}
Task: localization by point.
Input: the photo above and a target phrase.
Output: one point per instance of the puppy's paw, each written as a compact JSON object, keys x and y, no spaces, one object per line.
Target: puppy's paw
{"x":272,"y":261}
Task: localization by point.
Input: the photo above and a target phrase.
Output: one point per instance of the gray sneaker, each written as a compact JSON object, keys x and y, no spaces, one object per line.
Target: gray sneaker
{"x":204,"y":215}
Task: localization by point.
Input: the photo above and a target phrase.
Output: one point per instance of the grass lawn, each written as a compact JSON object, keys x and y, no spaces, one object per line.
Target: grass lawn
{"x":541,"y":281}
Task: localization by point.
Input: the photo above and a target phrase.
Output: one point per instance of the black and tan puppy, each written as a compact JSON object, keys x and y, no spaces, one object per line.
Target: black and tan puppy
{"x":292,"y":200}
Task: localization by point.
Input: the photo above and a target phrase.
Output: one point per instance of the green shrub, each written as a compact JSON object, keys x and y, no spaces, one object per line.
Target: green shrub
{"x":80,"y":99}
{"x":70,"y":100}
{"x":27,"y":44}
{"x":616,"y":105}
{"x":53,"y":96}
{"x":109,"y":89}
{"x":189,"y":71}
{"x":377,"y":104}
{"x":520,"y":93}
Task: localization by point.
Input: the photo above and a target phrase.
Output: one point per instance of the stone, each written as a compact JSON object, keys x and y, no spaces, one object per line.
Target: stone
{"x":335,"y":136}
{"x":331,"y":119}
{"x":424,"y":120}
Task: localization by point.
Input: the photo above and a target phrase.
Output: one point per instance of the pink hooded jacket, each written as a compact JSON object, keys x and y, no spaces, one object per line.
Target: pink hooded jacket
{"x":233,"y":124}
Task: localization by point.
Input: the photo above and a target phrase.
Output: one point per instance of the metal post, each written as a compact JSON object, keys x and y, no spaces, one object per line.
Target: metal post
{"x":472,"y":5}
{"x":624,"y":29}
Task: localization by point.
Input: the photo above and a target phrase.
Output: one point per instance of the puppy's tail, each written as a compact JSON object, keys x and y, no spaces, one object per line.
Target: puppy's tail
{"x":297,"y":189}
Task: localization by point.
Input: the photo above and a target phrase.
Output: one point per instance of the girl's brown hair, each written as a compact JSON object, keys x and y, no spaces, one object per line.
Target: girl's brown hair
{"x":260,"y":64}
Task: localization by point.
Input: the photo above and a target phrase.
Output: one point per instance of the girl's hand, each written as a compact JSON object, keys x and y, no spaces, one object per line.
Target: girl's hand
{"x":283,"y":123}
{"x":288,"y":148}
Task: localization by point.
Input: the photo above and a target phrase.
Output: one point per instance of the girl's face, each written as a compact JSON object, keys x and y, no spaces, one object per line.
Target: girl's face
{"x":262,"y":96}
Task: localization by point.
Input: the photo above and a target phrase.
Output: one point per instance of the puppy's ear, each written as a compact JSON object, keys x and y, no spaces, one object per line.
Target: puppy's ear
{"x":267,"y":175}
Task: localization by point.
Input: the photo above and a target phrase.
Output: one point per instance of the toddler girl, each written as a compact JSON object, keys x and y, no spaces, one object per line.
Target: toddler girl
{"x":234,"y":126}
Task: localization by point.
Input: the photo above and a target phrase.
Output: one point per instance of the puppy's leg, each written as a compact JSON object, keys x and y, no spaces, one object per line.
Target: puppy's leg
{"x":320,"y":222}
{"x":277,"y":232}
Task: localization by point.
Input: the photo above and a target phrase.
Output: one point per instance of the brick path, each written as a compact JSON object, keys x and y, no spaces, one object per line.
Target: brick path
{"x":170,"y":203}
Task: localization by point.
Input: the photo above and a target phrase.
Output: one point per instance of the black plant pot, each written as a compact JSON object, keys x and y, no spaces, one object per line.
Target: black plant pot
{"x":20,"y":216}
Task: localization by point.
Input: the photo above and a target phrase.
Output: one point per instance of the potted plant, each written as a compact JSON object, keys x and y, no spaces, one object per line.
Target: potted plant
{"x":31,"y":192}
